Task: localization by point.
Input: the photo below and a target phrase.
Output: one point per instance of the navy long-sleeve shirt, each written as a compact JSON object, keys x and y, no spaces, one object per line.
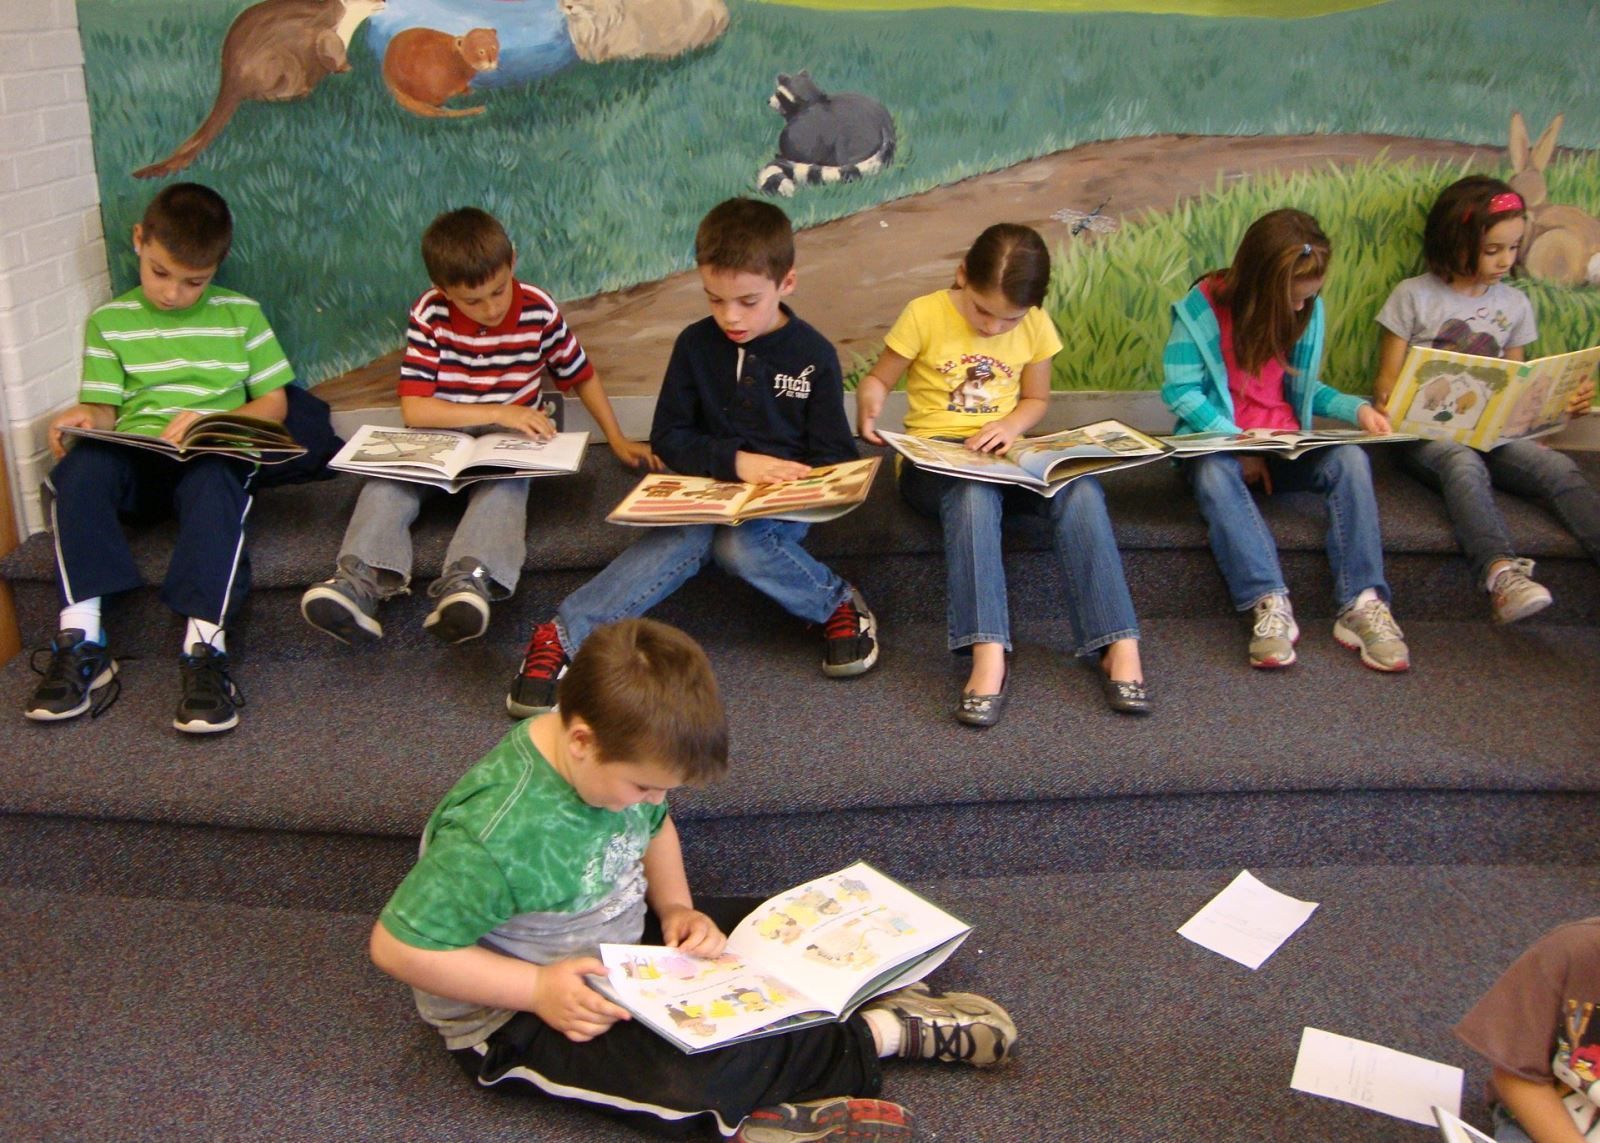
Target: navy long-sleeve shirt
{"x":780,"y":394}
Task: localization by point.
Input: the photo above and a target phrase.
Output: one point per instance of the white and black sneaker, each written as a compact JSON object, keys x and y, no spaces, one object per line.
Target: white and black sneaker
{"x":850,"y":638}
{"x":462,"y":612}
{"x":210,"y":701}
{"x":76,"y":669}
{"x":345,"y":606}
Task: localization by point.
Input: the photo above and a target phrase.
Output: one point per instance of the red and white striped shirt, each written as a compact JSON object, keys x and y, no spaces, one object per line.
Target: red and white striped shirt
{"x":452,"y":357}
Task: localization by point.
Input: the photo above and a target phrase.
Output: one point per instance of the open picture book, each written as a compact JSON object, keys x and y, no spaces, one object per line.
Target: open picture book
{"x":250,"y":438}
{"x":1456,"y":1130}
{"x":665,"y":498}
{"x":809,"y":955}
{"x":452,"y":460}
{"x":1483,"y":402}
{"x":1044,"y":464}
{"x":1287,"y":443}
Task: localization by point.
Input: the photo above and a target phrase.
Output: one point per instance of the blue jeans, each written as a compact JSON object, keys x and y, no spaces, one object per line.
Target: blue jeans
{"x":1240,"y":539}
{"x":970,"y":511}
{"x":1506,"y":1127}
{"x":764,"y":553}
{"x":1466,"y":477}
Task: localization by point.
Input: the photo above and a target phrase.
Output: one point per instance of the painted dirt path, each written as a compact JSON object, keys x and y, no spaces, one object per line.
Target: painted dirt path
{"x":856,"y":273}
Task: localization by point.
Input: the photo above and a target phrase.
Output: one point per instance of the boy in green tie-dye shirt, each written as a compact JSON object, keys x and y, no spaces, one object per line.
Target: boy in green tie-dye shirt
{"x":560,"y":839}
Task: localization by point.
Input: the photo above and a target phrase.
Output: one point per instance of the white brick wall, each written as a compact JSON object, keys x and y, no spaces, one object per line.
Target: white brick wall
{"x":52,"y":252}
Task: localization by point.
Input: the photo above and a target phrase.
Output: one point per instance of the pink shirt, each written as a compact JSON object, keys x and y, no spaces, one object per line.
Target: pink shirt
{"x":1258,"y":401}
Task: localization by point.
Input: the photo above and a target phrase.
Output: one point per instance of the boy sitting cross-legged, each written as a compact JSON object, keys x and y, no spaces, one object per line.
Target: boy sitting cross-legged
{"x":751,"y":393}
{"x":155,"y":359}
{"x":560,"y":839}
{"x":478,"y":348}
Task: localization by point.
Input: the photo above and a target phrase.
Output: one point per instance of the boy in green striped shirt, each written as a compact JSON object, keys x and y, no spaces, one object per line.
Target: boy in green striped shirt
{"x":155,"y":359}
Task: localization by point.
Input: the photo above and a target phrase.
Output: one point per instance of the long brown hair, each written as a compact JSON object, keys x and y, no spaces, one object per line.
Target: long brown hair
{"x":1280,"y":247}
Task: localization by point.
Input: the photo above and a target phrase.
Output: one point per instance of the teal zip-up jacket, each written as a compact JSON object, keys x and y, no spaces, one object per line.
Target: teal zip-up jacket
{"x":1196,"y":379}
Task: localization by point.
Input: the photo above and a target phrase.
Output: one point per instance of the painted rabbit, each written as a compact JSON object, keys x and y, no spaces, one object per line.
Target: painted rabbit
{"x":1563,"y":243}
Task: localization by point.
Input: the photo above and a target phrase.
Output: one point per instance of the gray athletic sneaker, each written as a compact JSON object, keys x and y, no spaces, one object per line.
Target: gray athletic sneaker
{"x":462,"y":612}
{"x":1274,"y":634}
{"x":345,"y":606}
{"x":1370,"y":628}
{"x":952,"y":1027}
{"x":1513,"y":595}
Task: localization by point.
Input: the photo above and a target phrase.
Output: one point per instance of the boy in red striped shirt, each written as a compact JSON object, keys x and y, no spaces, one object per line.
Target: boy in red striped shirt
{"x":479,"y":347}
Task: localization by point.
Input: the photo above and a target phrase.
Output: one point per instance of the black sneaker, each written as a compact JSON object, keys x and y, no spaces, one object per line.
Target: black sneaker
{"x":210,"y":701}
{"x":462,"y":612}
{"x":345,"y":606}
{"x":533,"y":691}
{"x":77,"y":668}
{"x":851,"y":643}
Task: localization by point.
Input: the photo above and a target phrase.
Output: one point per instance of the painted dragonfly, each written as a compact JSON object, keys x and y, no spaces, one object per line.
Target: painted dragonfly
{"x":1079,"y":220}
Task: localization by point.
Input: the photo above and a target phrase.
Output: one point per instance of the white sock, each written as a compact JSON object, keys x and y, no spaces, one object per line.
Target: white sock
{"x":885,"y":1027}
{"x":1367,"y":596}
{"x":199,"y":631}
{"x":84,"y":616}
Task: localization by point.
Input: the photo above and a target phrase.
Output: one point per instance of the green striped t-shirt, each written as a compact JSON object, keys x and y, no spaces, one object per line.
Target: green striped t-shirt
{"x":153,"y":364}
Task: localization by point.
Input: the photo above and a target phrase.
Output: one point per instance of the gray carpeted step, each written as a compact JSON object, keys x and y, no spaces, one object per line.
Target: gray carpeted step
{"x":1492,"y":728}
{"x":890,"y":552}
{"x":248,"y":1023}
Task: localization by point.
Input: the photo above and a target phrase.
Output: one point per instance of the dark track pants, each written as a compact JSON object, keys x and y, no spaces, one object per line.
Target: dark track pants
{"x":100,"y":486}
{"x":634,"y":1074}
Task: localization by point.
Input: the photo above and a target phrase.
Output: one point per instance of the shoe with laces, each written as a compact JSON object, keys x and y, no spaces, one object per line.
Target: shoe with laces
{"x":533,"y":691}
{"x":77,"y":668}
{"x":462,"y":612}
{"x":1368,"y":627}
{"x":1274,"y":634}
{"x":841,"y":1119}
{"x":952,"y":1027}
{"x":345,"y":606}
{"x":210,"y":701}
{"x":1514,"y":595}
{"x":850,"y":638}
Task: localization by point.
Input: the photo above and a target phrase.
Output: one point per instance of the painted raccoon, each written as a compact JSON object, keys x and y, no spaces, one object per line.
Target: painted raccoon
{"x":827,"y":138}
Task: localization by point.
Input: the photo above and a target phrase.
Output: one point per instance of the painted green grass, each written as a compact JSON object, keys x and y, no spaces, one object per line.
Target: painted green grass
{"x":1235,"y":9}
{"x":1111,"y":297}
{"x":602,"y":171}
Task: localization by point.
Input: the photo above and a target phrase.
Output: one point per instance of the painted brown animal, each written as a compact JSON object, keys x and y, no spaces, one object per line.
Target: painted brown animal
{"x":274,"y":50}
{"x":1563,"y":243}
{"x":424,"y":67}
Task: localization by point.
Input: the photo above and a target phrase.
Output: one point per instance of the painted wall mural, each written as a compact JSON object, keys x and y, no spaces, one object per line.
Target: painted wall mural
{"x":1140,"y":138}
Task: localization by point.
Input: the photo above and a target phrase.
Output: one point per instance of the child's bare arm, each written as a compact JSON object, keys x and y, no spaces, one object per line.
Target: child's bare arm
{"x":82,"y":416}
{"x":884,"y":375}
{"x":634,"y":454}
{"x":437,"y":413}
{"x":1538,"y":1107}
{"x":997,"y":435}
{"x":1391,"y":356}
{"x":759,"y":468}
{"x":667,"y":890}
{"x":556,"y":993}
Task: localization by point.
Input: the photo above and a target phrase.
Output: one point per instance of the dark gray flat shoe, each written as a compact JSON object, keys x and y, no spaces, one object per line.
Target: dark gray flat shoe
{"x":981,"y":710}
{"x":1125,"y":697}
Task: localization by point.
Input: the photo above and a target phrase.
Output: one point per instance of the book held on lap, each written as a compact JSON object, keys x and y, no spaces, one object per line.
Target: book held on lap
{"x":1484,"y":402}
{"x":1455,"y":1130}
{"x":452,"y":460}
{"x":1291,"y":444}
{"x":1044,"y":464}
{"x":249,"y":438}
{"x":810,"y":955}
{"x":665,"y":498}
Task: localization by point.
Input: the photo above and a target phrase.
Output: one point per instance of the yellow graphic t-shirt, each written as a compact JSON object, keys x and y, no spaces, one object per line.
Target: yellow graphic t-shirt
{"x":959,"y":381}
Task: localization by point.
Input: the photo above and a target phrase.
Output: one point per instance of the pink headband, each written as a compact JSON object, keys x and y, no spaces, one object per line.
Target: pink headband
{"x":1503,"y":203}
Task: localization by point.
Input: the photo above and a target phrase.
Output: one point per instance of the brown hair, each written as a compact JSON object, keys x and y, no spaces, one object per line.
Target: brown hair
{"x":1452,"y":238}
{"x":1012,"y":259}
{"x":465,"y":247}
{"x":647,"y":692}
{"x":192,"y":222}
{"x":1280,"y":248}
{"x":746,"y":236}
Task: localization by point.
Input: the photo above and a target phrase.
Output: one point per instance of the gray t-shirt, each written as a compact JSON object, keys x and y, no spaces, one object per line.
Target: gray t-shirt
{"x":1424,"y":311}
